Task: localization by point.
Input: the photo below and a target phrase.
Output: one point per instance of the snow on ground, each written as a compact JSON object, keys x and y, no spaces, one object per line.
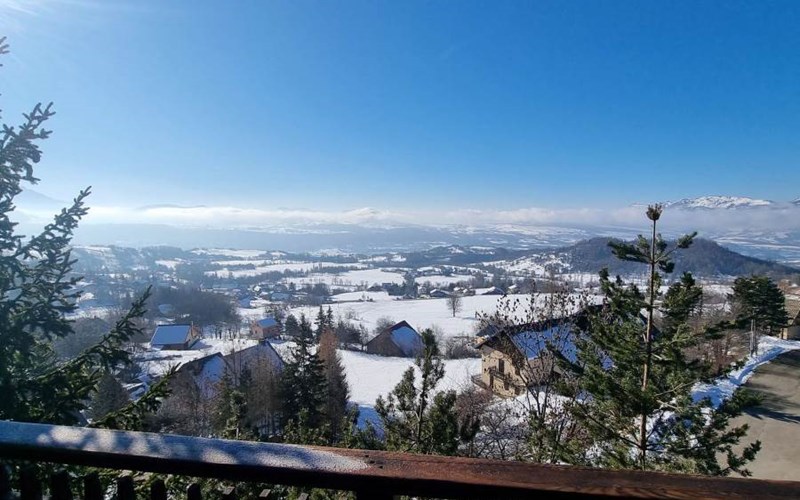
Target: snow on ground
{"x":157,"y":362}
{"x":441,"y":280}
{"x":228,"y":252}
{"x":171,"y":264}
{"x":91,"y":312}
{"x":280,"y":267}
{"x":350,"y":278}
{"x":420,"y":314}
{"x":371,"y":376}
{"x":362,"y":296}
{"x":722,"y":389}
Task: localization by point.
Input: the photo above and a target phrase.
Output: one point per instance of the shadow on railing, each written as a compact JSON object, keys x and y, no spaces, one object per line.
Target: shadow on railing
{"x":370,"y":474}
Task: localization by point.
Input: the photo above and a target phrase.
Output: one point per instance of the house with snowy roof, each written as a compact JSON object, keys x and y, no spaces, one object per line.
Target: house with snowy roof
{"x":175,"y":337}
{"x":399,"y":340}
{"x":518,"y":357}
{"x":265,"y":328}
{"x":205,"y":373}
{"x":255,"y":359}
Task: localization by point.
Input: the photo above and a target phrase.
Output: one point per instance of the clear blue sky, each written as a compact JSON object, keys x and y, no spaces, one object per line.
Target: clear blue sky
{"x":453,"y":104}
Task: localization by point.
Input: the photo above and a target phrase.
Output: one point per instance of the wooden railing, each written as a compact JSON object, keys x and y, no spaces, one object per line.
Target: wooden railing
{"x":370,"y":474}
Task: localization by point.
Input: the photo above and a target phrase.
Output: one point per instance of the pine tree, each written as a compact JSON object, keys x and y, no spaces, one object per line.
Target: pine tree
{"x":304,"y":390}
{"x":760,"y":300}
{"x":110,"y":397}
{"x":415,"y":418}
{"x":230,"y":408}
{"x":330,"y":323}
{"x":305,"y":330}
{"x":320,"y":322}
{"x":338,"y":390}
{"x":291,"y":326}
{"x":637,"y":379}
{"x":37,"y":291}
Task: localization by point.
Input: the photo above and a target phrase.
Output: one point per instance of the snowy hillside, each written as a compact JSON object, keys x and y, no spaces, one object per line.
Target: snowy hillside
{"x":718,"y":202}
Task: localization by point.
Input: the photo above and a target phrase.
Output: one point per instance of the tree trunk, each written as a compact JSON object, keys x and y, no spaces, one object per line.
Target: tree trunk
{"x":648,"y":341}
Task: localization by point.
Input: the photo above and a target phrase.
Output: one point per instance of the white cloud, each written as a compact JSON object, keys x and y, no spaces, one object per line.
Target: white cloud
{"x":781,"y":218}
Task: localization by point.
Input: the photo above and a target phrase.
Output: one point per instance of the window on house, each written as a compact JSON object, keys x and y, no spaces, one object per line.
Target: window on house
{"x":501,"y":366}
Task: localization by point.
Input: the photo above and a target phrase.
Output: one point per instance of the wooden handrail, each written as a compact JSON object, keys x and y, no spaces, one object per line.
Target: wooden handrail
{"x":359,"y":470}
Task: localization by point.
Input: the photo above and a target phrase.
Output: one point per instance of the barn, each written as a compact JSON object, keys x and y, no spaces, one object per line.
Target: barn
{"x":399,"y":340}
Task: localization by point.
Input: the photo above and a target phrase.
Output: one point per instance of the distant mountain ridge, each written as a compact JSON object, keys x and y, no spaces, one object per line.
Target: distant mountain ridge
{"x":704,"y":258}
{"x":719,"y":202}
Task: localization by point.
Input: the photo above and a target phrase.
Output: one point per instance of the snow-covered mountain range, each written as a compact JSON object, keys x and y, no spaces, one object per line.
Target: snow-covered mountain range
{"x":757,"y":227}
{"x":717,"y":202}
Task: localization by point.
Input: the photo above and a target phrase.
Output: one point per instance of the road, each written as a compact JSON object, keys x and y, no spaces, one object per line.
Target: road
{"x":776,"y":422}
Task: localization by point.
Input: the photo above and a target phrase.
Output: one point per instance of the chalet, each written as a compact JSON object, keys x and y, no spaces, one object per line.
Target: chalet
{"x":397,"y":340}
{"x":437,"y":293}
{"x":792,"y":330}
{"x":175,"y":337}
{"x":516,"y":358}
{"x":494,"y":291}
{"x":519,"y":357}
{"x":265,"y":328}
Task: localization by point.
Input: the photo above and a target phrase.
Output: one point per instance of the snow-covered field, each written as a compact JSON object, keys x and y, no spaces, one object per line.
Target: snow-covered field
{"x":442,"y":281}
{"x":420,"y":313}
{"x":275,"y":267}
{"x":229,"y":252}
{"x":362,"y":296}
{"x":350,"y":278}
{"x":371,"y":376}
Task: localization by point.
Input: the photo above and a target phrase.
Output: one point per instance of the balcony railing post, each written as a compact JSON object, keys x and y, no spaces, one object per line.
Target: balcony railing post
{"x":5,"y":482}
{"x":193,"y":492}
{"x":125,"y":489}
{"x":29,"y":486}
{"x":59,"y":486}
{"x":229,"y":493}
{"x":92,"y":489}
{"x":158,"y":490}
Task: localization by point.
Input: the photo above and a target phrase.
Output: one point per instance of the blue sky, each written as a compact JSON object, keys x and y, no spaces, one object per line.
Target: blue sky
{"x":431,"y":105}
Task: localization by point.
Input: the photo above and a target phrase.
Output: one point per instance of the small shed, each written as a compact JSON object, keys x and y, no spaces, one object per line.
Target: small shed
{"x":175,"y":337}
{"x":397,"y":340}
{"x":265,"y":328}
{"x":792,"y":330}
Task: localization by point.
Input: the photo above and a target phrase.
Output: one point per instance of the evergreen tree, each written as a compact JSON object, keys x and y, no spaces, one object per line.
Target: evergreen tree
{"x":330,"y":324}
{"x":230,"y":408}
{"x":304,"y":390}
{"x":305,"y":330}
{"x":110,"y":397}
{"x":417,"y":419}
{"x":760,"y":300}
{"x":37,"y":291}
{"x":637,"y":380}
{"x":338,"y":390}
{"x":321,"y":322}
{"x":291,"y":326}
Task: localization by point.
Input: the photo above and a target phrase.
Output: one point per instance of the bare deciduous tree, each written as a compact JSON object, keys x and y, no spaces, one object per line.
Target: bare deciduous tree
{"x":454,"y":304}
